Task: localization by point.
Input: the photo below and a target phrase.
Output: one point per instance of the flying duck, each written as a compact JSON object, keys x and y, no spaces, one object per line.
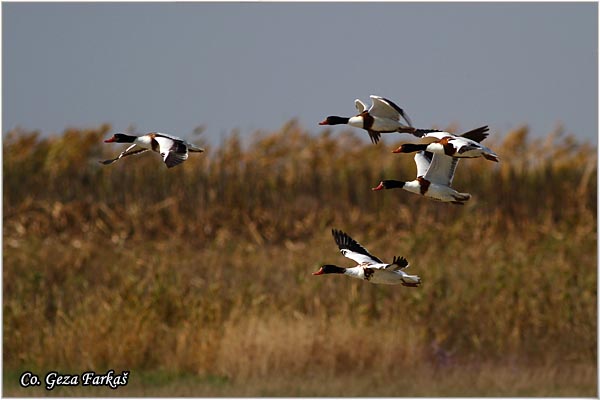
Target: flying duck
{"x":434,"y":179}
{"x":382,"y":117}
{"x":451,"y":145}
{"x":369,"y":268}
{"x":172,"y":149}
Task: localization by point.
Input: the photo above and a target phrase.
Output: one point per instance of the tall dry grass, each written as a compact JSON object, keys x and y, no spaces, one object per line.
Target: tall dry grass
{"x":205,"y":268}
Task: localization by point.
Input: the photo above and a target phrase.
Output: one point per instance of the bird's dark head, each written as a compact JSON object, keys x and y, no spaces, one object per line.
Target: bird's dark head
{"x":334,"y":120}
{"x":410,"y":148}
{"x":120,"y":138}
{"x":389,"y":184}
{"x":330,"y":269}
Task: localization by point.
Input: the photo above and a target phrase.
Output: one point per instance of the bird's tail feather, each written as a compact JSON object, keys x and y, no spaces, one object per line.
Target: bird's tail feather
{"x":491,"y":157}
{"x":461,"y":196}
{"x":411,"y":280}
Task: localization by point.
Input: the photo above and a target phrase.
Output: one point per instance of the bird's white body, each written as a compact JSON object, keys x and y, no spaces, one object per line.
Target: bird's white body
{"x":434,"y":191}
{"x":144,"y":142}
{"x":378,"y":124}
{"x":381,"y":275}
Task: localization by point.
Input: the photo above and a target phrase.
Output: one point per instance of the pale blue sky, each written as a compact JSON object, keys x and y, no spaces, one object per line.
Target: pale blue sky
{"x":171,"y":67}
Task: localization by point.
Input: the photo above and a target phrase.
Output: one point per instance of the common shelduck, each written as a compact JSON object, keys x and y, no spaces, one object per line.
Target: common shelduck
{"x":172,"y":149}
{"x":450,"y":145}
{"x":382,"y":117}
{"x":369,"y":268}
{"x":434,"y":179}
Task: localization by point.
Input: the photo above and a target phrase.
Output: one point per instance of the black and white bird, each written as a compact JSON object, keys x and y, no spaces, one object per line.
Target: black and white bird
{"x":369,"y":268}
{"x":172,"y":149}
{"x":435,"y":173}
{"x":382,"y":117}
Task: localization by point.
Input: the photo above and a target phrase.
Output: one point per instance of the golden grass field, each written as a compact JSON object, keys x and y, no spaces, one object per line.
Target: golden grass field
{"x":197,"y":279}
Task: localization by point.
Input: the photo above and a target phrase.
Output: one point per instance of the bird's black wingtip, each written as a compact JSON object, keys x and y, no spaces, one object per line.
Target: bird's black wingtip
{"x":400,"y":262}
{"x":341,"y":238}
{"x":477,"y":134}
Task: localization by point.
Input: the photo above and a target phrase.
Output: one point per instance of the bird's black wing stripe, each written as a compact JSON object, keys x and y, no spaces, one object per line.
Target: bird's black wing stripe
{"x":393,"y":105}
{"x":178,"y":147}
{"x":346,"y":242}
{"x":428,"y":155}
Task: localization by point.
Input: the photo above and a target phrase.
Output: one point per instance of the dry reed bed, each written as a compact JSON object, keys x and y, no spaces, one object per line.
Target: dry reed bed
{"x":205,"y":268}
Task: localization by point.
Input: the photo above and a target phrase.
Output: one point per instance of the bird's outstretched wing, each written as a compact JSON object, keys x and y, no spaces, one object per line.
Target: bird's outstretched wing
{"x":173,"y":152}
{"x":353,"y":250}
{"x":386,"y":108}
{"x":477,"y":134}
{"x":128,"y":152}
{"x":423,"y":160}
{"x":441,"y":170}
{"x":360,"y":106}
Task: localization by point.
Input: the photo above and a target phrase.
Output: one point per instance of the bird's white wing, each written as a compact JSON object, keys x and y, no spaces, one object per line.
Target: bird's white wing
{"x":462,"y":144}
{"x":173,"y":152}
{"x":386,"y":108}
{"x":434,"y":136}
{"x":423,"y":160}
{"x":360,"y":106}
{"x":381,"y":108}
{"x":165,"y":144}
{"x":441,"y":170}
{"x":353,"y":250}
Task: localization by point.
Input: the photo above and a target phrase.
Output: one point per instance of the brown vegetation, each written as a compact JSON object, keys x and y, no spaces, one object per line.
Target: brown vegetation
{"x":205,"y":268}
